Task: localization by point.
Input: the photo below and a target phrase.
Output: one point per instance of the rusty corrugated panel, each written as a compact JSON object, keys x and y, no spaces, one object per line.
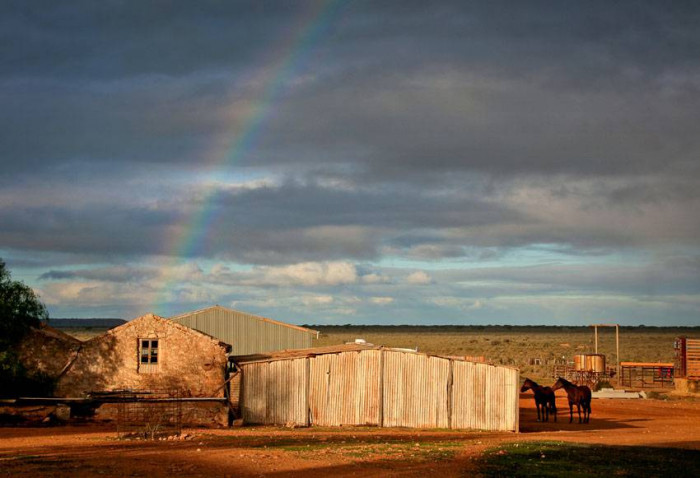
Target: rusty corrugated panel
{"x":484,"y":397}
{"x":254,"y":393}
{"x":235,"y":390}
{"x":415,"y":390}
{"x":344,"y":388}
{"x":247,"y":333}
{"x":275,"y":393}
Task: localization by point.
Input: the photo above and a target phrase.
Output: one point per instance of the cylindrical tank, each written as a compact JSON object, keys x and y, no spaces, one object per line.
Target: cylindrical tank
{"x":595,"y":363}
{"x":580,"y":362}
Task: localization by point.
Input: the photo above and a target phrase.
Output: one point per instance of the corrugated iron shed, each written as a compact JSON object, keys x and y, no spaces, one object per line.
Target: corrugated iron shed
{"x":247,"y":333}
{"x":358,"y":384}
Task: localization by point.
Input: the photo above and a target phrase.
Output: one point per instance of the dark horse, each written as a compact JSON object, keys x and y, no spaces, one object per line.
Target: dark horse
{"x":578,"y":395}
{"x":544,"y":397}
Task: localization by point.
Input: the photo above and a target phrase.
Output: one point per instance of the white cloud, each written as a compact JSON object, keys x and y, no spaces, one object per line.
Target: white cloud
{"x":381,"y":300}
{"x":476,"y":305}
{"x":418,"y":278}
{"x":317,"y":300}
{"x":310,"y":274}
{"x":374,"y":278}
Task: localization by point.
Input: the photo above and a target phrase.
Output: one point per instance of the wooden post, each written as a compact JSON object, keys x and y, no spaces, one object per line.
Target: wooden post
{"x":595,"y":328}
{"x":617,"y":345}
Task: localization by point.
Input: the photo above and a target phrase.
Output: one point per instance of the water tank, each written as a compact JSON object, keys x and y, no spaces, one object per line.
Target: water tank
{"x":595,"y":363}
{"x":580,"y":362}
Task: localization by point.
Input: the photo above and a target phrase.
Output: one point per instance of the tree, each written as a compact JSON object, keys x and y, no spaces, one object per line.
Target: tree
{"x":20,"y":309}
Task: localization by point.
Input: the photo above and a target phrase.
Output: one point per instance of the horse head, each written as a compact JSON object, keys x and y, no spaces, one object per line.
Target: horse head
{"x":527,"y":384}
{"x":558,"y":384}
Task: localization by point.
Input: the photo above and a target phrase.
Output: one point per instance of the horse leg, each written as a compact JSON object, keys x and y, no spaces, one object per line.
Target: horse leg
{"x":588,"y":411}
{"x":578,"y":407}
{"x":538,"y":410}
{"x":571,"y":412}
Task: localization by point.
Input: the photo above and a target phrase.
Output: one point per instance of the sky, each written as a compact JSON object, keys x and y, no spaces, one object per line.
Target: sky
{"x":362,"y":162}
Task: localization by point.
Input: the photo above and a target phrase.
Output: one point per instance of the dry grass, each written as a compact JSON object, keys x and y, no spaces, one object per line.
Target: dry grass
{"x":518,"y":346}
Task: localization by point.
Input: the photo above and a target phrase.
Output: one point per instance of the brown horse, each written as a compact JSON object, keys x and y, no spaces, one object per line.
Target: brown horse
{"x":544,"y":398}
{"x":577,"y":395}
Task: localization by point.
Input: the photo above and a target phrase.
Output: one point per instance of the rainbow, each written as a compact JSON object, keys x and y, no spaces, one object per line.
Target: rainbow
{"x":188,"y":240}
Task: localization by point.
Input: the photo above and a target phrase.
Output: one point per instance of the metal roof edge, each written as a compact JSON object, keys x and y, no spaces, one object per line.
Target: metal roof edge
{"x":292,"y":354}
{"x":175,"y":318}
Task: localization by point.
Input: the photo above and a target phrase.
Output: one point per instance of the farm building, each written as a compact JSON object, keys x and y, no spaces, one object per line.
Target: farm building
{"x":149,"y":352}
{"x":247,"y":333}
{"x":362,"y":384}
{"x":147,"y":356}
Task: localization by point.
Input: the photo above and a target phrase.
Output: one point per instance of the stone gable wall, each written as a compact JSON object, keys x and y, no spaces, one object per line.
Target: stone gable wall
{"x":188,"y":361}
{"x":44,"y":352}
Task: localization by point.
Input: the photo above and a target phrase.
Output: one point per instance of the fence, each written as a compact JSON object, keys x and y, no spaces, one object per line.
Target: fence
{"x":646,"y":374}
{"x":148,"y":414}
{"x":376,"y":386}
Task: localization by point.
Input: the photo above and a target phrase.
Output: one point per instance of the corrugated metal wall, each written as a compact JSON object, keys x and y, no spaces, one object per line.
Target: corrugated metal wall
{"x":345,"y":389}
{"x":484,"y":397}
{"x":275,"y":392}
{"x":380,"y":387}
{"x":415,"y":390}
{"x":246,"y":333}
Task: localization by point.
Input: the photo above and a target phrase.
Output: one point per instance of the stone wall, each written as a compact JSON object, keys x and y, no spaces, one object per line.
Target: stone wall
{"x":189,"y":361}
{"x":47,"y":350}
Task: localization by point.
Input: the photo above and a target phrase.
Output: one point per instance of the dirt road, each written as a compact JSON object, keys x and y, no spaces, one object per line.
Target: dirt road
{"x":89,"y":450}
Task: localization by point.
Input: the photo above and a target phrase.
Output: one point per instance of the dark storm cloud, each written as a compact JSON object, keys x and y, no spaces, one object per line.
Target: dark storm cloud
{"x":85,"y":40}
{"x":106,"y":230}
{"x":270,"y":224}
{"x":291,"y":205}
{"x":437,"y":132}
{"x":398,"y":91}
{"x":121,"y":274}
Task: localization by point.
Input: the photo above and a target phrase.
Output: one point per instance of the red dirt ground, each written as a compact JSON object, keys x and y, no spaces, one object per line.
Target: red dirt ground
{"x":91,"y":450}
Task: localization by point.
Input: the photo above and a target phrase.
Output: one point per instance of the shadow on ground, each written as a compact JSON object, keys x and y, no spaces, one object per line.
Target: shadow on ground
{"x":554,"y":459}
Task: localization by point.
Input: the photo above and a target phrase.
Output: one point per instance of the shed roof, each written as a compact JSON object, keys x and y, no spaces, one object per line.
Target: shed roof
{"x":335,"y":349}
{"x":248,"y":314}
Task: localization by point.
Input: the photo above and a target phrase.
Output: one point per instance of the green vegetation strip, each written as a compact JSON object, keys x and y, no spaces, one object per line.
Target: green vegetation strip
{"x":360,"y":446}
{"x":389,"y":451}
{"x":555,"y":459}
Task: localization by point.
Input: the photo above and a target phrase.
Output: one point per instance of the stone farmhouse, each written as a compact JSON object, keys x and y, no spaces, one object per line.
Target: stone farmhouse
{"x":149,"y":353}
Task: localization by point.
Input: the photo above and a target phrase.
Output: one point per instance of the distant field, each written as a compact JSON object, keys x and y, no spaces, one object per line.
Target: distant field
{"x":510,"y":345}
{"x":516,"y":345}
